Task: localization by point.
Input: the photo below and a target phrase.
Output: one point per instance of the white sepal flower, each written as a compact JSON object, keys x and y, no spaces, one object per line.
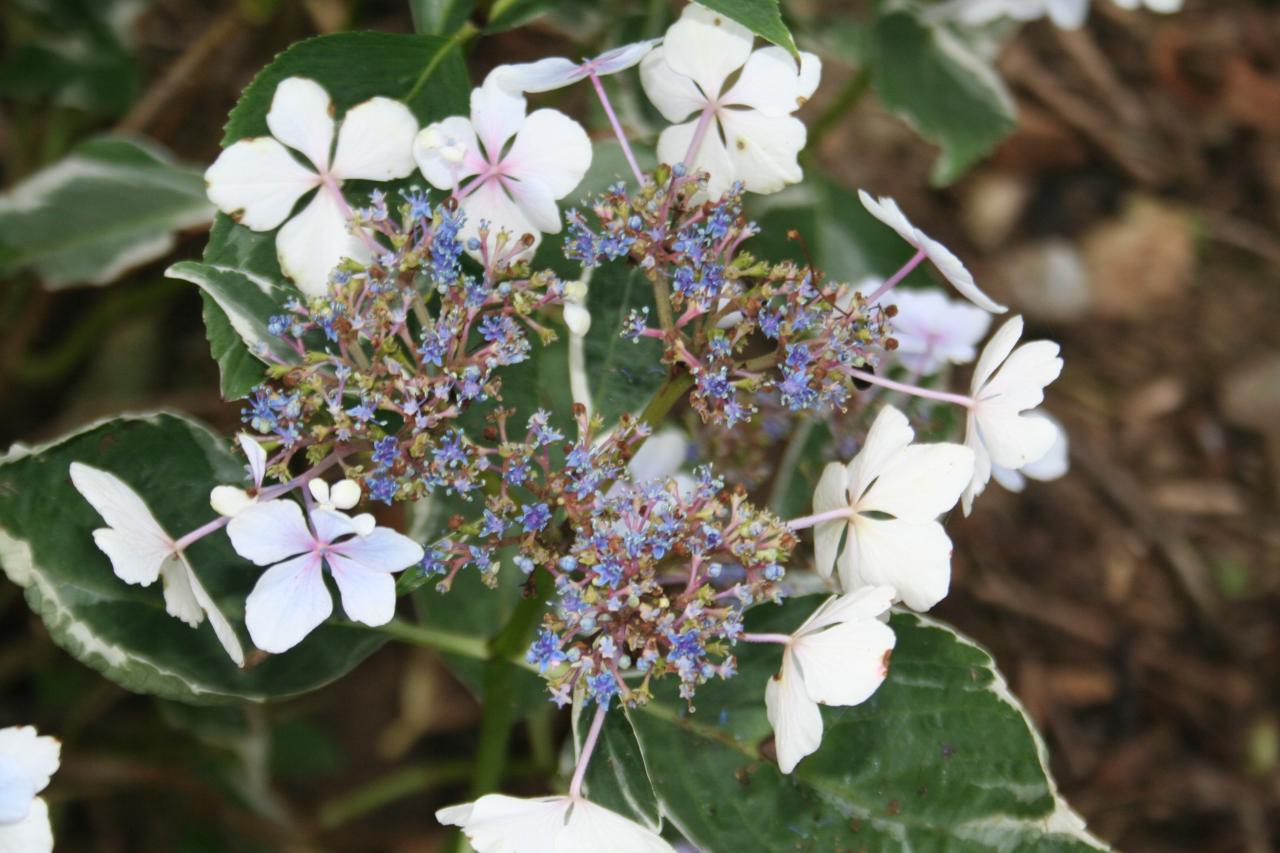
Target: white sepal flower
{"x":229,"y":500}
{"x":932,"y":330}
{"x":556,"y":72}
{"x":1051,"y":466}
{"x":290,"y":599}
{"x":912,"y":484}
{"x":1067,"y":14}
{"x":513,"y":188}
{"x":27,"y":761}
{"x":952,"y":269}
{"x":141,"y":551}
{"x":500,"y":824}
{"x":1007,"y":384}
{"x":757,"y":139}
{"x":839,"y":656}
{"x":259,"y":182}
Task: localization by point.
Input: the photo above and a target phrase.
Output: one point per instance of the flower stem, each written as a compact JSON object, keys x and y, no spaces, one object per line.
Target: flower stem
{"x":807,"y":521}
{"x":889,"y":283}
{"x":914,"y":390}
{"x":435,"y":638}
{"x":665,"y":398}
{"x":783,"y":639}
{"x":617,"y":128}
{"x":699,"y":132}
{"x":588,"y":747}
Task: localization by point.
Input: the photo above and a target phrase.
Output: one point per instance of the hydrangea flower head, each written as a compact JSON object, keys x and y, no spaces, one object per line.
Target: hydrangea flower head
{"x":258,"y":181}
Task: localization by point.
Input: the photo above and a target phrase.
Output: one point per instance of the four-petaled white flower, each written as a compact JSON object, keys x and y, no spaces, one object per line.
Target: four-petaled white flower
{"x":259,"y":182}
{"x":751,"y":136}
{"x":499,"y":824}
{"x":141,"y":551}
{"x":913,"y":484}
{"x":290,"y":600}
{"x":27,"y":761}
{"x":511,"y":188}
{"x":932,"y":330}
{"x":556,"y":72}
{"x":1006,"y":384}
{"x":839,"y":656}
{"x":342,"y":495}
{"x":229,"y":500}
{"x":951,"y":267}
{"x":1051,"y":466}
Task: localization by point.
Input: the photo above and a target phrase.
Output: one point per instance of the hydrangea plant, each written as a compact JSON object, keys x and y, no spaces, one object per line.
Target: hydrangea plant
{"x":419,"y":304}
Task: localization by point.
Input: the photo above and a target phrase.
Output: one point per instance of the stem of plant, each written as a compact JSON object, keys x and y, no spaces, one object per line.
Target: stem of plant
{"x":914,"y":390}
{"x":893,"y":280}
{"x":617,"y":128}
{"x":807,"y":521}
{"x":588,"y":747}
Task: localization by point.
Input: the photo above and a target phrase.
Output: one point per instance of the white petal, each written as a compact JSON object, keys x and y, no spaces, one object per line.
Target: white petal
{"x":269,"y":532}
{"x":217,"y":620}
{"x":364,"y":524}
{"x":830,"y":493}
{"x":796,"y":720}
{"x":536,"y":203}
{"x":255,"y":455}
{"x":496,"y":115}
{"x":135,"y":542}
{"x":995,"y":352}
{"x":982,"y":468}
{"x":383,"y":550}
{"x":932,"y":329}
{"x":499,"y":824}
{"x":711,"y":156}
{"x":627,"y":56}
{"x":31,"y":755}
{"x":345,"y":494}
{"x":1011,"y":438}
{"x":890,"y":432}
{"x":17,"y":790}
{"x":868,"y":602}
{"x":592,"y":827}
{"x":954,"y":271}
{"x":331,"y":525}
{"x":887,"y":211}
{"x":301,"y":116}
{"x":1021,"y":380}
{"x":288,"y":602}
{"x":578,"y":319}
{"x":664,"y":453}
{"x":32,"y":834}
{"x":1056,"y":462}
{"x":552,"y":149}
{"x":771,"y":82}
{"x":1068,"y":14}
{"x":257,"y":182}
{"x":1010,"y":478}
{"x":179,"y":601}
{"x":544,"y":75}
{"x":846,"y":663}
{"x":375,"y":142}
{"x":319,"y":490}
{"x":914,"y":559}
{"x":763,"y":149}
{"x":920,"y":482}
{"x":368,"y":595}
{"x":311,"y":244}
{"x":447,"y":151}
{"x":490,"y":203}
{"x":229,"y":500}
{"x":707,"y":47}
{"x":675,"y":95}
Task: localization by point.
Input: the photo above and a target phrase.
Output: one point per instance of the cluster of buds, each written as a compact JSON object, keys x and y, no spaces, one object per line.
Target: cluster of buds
{"x":399,"y":349}
{"x":740,"y":326}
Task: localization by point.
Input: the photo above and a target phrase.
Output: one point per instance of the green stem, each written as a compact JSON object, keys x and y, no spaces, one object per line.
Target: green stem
{"x":463,"y":35}
{"x":662,"y":299}
{"x":665,"y":398}
{"x":434,"y":638}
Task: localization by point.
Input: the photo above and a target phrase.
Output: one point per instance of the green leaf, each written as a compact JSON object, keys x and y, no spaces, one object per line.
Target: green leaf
{"x":112,"y":204}
{"x":942,"y":87}
{"x":440,"y":17}
{"x":509,"y":14}
{"x":762,"y":17}
{"x":616,"y":777}
{"x":621,"y":375}
{"x":941,"y":758}
{"x":426,"y":72}
{"x":47,"y":548}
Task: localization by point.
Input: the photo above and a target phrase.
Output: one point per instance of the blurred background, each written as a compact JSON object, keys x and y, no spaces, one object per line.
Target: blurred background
{"x":1132,"y":213}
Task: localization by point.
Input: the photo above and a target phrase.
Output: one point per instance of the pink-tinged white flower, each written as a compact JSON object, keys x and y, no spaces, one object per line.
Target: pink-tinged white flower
{"x":290,"y":600}
{"x":932,"y":330}
{"x":1007,"y":383}
{"x":229,"y":500}
{"x":511,"y":187}
{"x":1051,"y":466}
{"x":499,"y":824}
{"x":748,"y":131}
{"x":888,"y":212}
{"x":27,"y":761}
{"x":1068,"y":14}
{"x":911,"y":484}
{"x":141,"y":551}
{"x":258,"y":181}
{"x":556,"y":72}
{"x":839,"y":656}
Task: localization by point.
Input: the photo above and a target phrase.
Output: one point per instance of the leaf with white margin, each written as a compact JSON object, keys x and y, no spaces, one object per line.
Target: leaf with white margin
{"x":123,"y":631}
{"x":112,"y":204}
{"x":942,"y":757}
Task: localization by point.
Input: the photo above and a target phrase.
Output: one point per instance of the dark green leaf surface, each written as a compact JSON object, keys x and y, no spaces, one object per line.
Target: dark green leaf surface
{"x":762,"y":17}
{"x":47,"y":547}
{"x":942,"y":758}
{"x":110,"y":205}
